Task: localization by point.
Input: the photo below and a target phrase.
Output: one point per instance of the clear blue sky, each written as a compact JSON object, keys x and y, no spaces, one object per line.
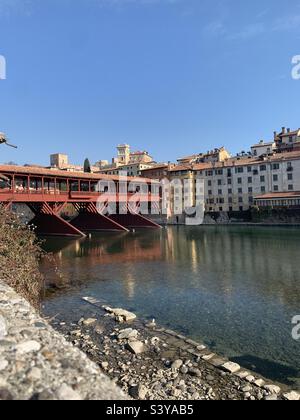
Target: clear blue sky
{"x":173,"y":77}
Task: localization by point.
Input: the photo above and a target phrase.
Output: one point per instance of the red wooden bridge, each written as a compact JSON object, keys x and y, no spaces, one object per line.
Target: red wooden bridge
{"x":49,"y":192}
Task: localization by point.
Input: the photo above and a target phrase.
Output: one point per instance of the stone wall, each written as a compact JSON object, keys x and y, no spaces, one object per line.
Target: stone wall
{"x":37,"y":363}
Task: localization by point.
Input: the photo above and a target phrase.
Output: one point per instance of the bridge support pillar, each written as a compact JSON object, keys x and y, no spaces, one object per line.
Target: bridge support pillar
{"x":89,"y":220}
{"x":50,"y":224}
{"x":134,"y":221}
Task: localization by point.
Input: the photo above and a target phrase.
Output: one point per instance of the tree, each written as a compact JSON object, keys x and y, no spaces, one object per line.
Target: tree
{"x":87,"y":166}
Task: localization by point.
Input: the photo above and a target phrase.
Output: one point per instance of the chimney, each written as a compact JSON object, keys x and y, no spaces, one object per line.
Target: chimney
{"x":283,"y":130}
{"x":288,"y":130}
{"x":275,"y":135}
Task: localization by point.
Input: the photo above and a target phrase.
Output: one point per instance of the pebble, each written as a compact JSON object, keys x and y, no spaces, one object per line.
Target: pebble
{"x":5,"y":395}
{"x":138,"y":392}
{"x":259,"y":382}
{"x":292,"y":396}
{"x":104,"y":365}
{"x":195,"y":372}
{"x":89,"y":321}
{"x":136,"y":347}
{"x":27,"y":347}
{"x":274,"y":389}
{"x":127,"y":334}
{"x":177,"y":364}
{"x":184,"y":370}
{"x":66,"y":393}
{"x":3,"y":364}
{"x":34,"y":374}
{"x":231,"y":367}
{"x":3,"y":328}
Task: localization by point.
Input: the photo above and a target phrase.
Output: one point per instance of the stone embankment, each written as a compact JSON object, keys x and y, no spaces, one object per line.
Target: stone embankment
{"x":37,"y":363}
{"x":152,"y":363}
{"x":146,"y":361}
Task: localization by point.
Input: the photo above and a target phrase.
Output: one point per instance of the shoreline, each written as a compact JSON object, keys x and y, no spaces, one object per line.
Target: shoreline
{"x":149,"y":362}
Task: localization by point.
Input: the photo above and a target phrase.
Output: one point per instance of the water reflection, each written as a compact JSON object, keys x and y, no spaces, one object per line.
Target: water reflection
{"x":238,"y":288}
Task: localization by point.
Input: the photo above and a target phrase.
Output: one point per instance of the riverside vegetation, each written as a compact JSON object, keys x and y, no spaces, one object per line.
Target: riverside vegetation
{"x":20,"y":252}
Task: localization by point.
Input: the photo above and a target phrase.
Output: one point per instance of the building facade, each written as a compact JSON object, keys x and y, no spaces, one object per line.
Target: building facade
{"x":236,"y":184}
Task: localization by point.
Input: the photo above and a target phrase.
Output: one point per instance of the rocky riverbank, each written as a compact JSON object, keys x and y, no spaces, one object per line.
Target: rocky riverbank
{"x":37,"y":363}
{"x":151,"y":363}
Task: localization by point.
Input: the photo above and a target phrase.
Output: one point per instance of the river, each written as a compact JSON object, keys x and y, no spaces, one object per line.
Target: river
{"x":235,"y":288}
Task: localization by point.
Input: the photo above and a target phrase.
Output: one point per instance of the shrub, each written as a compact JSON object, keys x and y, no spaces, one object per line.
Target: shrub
{"x":20,"y":253}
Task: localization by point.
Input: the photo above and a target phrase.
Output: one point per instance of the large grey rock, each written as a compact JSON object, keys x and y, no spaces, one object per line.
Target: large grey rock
{"x":231,"y":367}
{"x":127,"y":334}
{"x":292,"y":396}
{"x":121,"y":314}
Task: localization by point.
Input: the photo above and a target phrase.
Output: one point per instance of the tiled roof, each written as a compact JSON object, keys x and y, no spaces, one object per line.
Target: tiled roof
{"x":243,"y":161}
{"x":10,"y":169}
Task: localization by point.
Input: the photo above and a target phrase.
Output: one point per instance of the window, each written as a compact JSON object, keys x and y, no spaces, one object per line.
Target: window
{"x":219,"y":181}
{"x":240,"y":199}
{"x":250,"y":190}
{"x":230,"y":200}
{"x":275,"y":178}
{"x":209,"y":183}
{"x":262,"y":179}
{"x":241,"y":208}
{"x":240,"y":190}
{"x":275,"y":166}
{"x":276,"y":188}
{"x":220,"y":192}
{"x":251,"y":200}
{"x":230,"y":208}
{"x":263,"y":168}
{"x":219,"y":172}
{"x":263,"y":189}
{"x":209,"y":192}
{"x":229,"y":181}
{"x":229,"y":190}
{"x":249,"y":168}
{"x":290,"y":177}
{"x":221,"y":208}
{"x":291,"y":187}
{"x":250,"y":180}
{"x":239,"y":170}
{"x":240,"y":180}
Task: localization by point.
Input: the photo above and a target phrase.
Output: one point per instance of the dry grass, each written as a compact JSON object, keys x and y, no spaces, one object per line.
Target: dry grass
{"x":19,"y":257}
